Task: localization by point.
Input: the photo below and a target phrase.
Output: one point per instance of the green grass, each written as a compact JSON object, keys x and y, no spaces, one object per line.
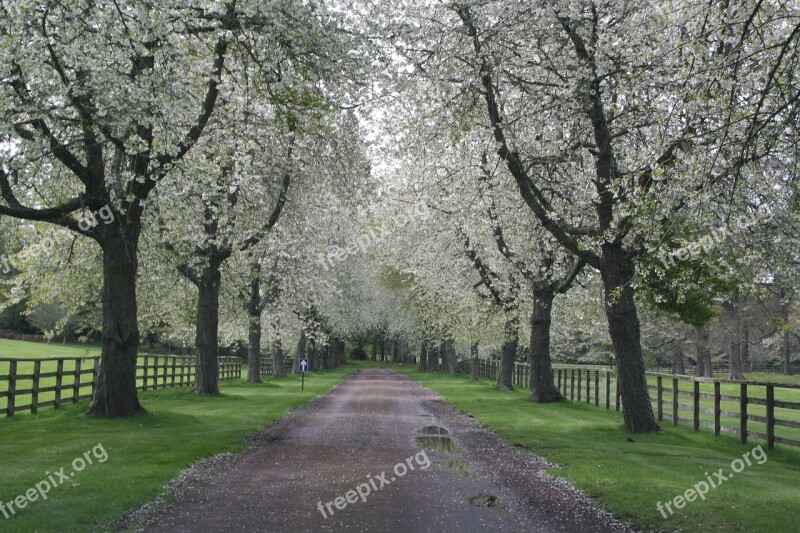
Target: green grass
{"x":30,"y":352}
{"x":590,"y":447}
{"x":144,"y":452}
{"x":36,"y":350}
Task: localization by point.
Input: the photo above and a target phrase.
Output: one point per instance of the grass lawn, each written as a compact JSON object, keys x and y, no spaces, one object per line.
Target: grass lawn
{"x":143,"y":452}
{"x":592,"y":451}
{"x":30,"y":352}
{"x":36,"y":350}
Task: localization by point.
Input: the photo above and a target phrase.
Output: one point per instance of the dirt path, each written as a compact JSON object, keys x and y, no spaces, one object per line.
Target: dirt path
{"x":354,"y":439}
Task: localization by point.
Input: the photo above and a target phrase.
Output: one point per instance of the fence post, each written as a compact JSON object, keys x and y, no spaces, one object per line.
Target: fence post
{"x":674,"y":401}
{"x":588,"y":386}
{"x":608,"y":389}
{"x":596,"y":388}
{"x":165,"y":375}
{"x":770,"y":416}
{"x":59,"y":380}
{"x":580,"y":375}
{"x":144,"y":376}
{"x":37,"y":368}
{"x":696,"y":405}
{"x":559,"y":382}
{"x":743,"y":413}
{"x":572,"y":384}
{"x":660,"y":397}
{"x":12,"y":387}
{"x":716,"y":408}
{"x":76,"y":386}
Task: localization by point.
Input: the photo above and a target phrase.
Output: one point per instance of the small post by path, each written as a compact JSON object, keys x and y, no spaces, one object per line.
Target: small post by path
{"x":303,"y":369}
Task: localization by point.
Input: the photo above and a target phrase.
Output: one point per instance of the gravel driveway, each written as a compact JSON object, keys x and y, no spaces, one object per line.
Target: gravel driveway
{"x":378,"y":453}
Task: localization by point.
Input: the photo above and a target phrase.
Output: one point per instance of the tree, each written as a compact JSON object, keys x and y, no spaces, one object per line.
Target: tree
{"x":567,"y":106}
{"x":80,"y":94}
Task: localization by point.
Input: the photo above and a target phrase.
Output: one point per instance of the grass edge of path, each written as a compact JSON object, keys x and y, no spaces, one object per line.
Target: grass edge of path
{"x":628,"y":475}
{"x":144,"y":452}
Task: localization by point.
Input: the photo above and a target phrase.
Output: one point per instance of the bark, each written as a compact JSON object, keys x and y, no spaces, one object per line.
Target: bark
{"x":278,"y":370}
{"x":678,"y":366}
{"x":115,"y":394}
{"x":623,"y":325}
{"x":325,"y":353}
{"x":206,"y":379}
{"x":786,"y":306}
{"x":746,"y":359}
{"x":450,"y":356}
{"x":254,"y":332}
{"x":340,"y":353}
{"x":543,"y":388}
{"x":703,"y":335}
{"x":312,"y":352}
{"x":383,"y":349}
{"x":374,"y":354}
{"x":474,"y":363}
{"x":734,"y":337}
{"x":423,"y":357}
{"x":508,"y":354}
{"x":395,"y":350}
{"x":433,"y":357}
{"x":300,"y":352}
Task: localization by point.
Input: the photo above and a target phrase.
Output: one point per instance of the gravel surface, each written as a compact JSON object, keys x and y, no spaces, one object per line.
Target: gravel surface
{"x":353,"y":440}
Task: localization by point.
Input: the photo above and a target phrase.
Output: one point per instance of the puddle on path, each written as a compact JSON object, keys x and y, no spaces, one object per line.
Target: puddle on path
{"x":433,"y":430}
{"x":438,"y":443}
{"x":486,"y":500}
{"x":458,"y":465}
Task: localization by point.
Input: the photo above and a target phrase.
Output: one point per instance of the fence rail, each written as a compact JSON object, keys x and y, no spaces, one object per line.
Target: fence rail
{"x":749,"y":408}
{"x":30,"y":384}
{"x":266,"y":366}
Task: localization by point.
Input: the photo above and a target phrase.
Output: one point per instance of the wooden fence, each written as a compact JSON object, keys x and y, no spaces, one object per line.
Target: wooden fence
{"x":266,"y":365}
{"x":758,"y":409}
{"x":29,"y":384}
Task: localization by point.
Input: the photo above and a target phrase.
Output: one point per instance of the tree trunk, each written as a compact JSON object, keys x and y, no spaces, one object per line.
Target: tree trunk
{"x":509,"y":353}
{"x":254,"y":330}
{"x":678,"y":366}
{"x":433,"y":357}
{"x":206,"y":379}
{"x":423,"y":357}
{"x":278,"y":370}
{"x":340,"y":354}
{"x":786,"y":306}
{"x":325,"y":352}
{"x":300,"y":353}
{"x":312,"y":352}
{"x":623,"y":325}
{"x":703,"y":335}
{"x":450,"y":357}
{"x":746,"y":359}
{"x":543,"y":388}
{"x":395,"y":350}
{"x":374,"y":354}
{"x":474,"y":363}
{"x":115,"y":394}
{"x":735,"y":337}
{"x":383,"y":349}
